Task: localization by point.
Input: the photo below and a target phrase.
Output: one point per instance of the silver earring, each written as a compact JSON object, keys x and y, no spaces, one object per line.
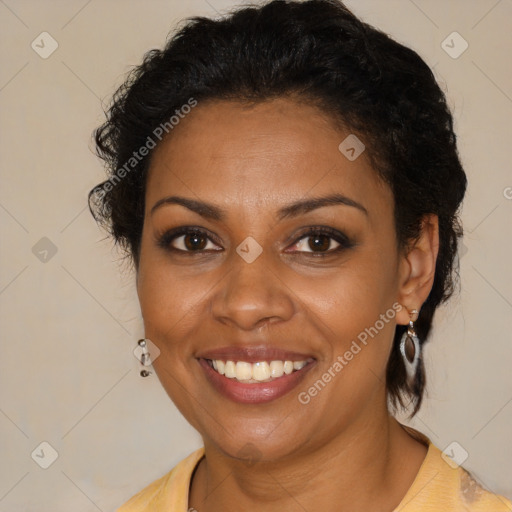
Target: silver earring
{"x":410,"y":347}
{"x":145,"y":358}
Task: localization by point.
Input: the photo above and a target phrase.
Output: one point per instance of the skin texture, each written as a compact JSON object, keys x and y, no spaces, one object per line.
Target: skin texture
{"x":343,"y":450}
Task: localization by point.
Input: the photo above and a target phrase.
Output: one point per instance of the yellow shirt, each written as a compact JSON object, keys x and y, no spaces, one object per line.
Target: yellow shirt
{"x":438,"y":487}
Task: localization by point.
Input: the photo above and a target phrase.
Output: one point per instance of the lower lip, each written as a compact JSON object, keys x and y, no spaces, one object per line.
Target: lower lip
{"x":254,"y":393}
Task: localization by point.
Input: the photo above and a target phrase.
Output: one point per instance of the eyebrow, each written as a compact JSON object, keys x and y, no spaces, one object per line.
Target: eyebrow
{"x":213,"y":212}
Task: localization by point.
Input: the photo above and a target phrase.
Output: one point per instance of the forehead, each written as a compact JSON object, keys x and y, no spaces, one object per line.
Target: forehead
{"x":265,"y":154}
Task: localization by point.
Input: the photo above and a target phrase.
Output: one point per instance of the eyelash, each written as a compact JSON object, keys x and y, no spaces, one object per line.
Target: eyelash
{"x":164,"y":241}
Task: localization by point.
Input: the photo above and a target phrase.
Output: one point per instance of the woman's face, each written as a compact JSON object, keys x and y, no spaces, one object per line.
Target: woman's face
{"x":253,"y":286}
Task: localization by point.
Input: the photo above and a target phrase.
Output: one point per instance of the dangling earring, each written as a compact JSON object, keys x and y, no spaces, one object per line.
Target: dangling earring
{"x":410,"y":347}
{"x":144,"y":357}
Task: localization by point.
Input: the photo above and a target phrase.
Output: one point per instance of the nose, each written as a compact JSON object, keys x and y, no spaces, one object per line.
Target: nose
{"x":252,"y":295}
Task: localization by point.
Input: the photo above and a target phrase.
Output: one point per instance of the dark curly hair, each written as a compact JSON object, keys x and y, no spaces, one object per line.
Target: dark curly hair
{"x":316,"y":50}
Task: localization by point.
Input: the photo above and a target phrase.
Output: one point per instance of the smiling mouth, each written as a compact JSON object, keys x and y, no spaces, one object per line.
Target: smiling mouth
{"x":253,"y":373}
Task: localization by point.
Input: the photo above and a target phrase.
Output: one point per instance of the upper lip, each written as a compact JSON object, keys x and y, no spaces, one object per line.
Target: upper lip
{"x":253,"y":354}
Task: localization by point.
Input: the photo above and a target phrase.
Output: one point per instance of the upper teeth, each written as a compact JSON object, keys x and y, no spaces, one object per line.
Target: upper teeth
{"x":260,"y":371}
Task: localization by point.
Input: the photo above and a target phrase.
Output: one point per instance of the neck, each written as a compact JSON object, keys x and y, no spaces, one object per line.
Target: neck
{"x":371,"y":462}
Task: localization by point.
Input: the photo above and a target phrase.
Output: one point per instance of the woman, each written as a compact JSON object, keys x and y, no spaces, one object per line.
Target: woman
{"x":287,"y":183}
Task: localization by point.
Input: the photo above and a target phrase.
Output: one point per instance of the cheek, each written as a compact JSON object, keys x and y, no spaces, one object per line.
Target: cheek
{"x":354,"y":309}
{"x":165,"y":294}
{"x":175,"y":304}
{"x":168,"y":301}
{"x":357,"y":342}
{"x":353,"y":296}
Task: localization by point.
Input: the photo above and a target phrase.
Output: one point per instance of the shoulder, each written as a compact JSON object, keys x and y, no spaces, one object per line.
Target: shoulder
{"x":169,"y":493}
{"x":441,"y":484}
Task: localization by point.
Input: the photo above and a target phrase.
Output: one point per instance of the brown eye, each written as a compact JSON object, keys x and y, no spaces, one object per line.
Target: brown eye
{"x":194,"y":241}
{"x":187,"y":241}
{"x":319,"y":243}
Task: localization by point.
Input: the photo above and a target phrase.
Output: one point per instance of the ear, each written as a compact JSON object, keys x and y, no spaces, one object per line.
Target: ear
{"x":417,"y":268}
